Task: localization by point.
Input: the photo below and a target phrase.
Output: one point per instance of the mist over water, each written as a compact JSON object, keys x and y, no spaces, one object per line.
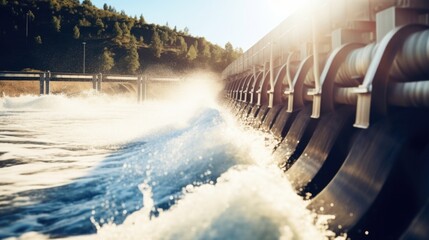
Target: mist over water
{"x":105,"y":167}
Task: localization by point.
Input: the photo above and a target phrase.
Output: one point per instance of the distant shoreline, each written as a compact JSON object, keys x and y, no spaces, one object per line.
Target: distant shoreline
{"x":18,"y":88}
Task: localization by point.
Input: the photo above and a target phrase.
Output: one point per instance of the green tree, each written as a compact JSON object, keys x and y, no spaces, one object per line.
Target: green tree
{"x":132,"y":58}
{"x":183,"y":47}
{"x":99,"y":23}
{"x":229,"y":53}
{"x":84,"y":22}
{"x":216,"y":54}
{"x":156,"y":45}
{"x":31,"y":15}
{"x":112,"y":9}
{"x":142,"y":20}
{"x":172,"y":38}
{"x":56,"y":23}
{"x":53,"y":4}
{"x":76,"y":32}
{"x":105,"y":7}
{"x":38,"y":39}
{"x":117,"y":30}
{"x":87,"y":3}
{"x":107,"y":60}
{"x":125,"y":30}
{"x":3,"y":2}
{"x":205,"y":50}
{"x":164,"y":37}
{"x":192,"y":53}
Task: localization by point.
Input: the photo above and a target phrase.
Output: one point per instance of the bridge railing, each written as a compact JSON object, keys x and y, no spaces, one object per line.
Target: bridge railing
{"x":45,"y":78}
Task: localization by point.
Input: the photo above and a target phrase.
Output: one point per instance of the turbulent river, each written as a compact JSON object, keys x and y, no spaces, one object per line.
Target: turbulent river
{"x":105,"y":167}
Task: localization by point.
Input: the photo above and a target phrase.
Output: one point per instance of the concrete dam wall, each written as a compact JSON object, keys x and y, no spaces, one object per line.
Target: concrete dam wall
{"x":344,"y":87}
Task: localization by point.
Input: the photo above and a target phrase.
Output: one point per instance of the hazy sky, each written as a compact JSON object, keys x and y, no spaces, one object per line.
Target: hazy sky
{"x":241,"y":22}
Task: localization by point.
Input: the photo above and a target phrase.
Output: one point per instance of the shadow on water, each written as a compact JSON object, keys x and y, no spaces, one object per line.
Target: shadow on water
{"x":167,"y":162}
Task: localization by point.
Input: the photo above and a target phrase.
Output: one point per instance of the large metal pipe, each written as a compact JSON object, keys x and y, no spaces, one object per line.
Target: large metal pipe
{"x":411,"y":62}
{"x":409,"y":94}
{"x":403,"y":94}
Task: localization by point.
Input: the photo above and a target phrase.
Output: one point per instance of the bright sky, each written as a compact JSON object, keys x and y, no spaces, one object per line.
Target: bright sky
{"x":241,"y":22}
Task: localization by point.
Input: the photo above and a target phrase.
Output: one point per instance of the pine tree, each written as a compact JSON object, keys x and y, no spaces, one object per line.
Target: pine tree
{"x":76,"y":32}
{"x":142,"y":20}
{"x":205,"y":50}
{"x":38,"y":39}
{"x":192,"y":53}
{"x":216,"y":53}
{"x":156,"y":45}
{"x":229,"y":52}
{"x":183,"y":47}
{"x":117,"y":30}
{"x":107,"y":60}
{"x":56,"y":23}
{"x":132,"y":59}
{"x":105,"y":7}
{"x":99,"y":23}
{"x":87,"y":3}
{"x":164,"y":37}
{"x":125,"y":30}
{"x":31,"y":15}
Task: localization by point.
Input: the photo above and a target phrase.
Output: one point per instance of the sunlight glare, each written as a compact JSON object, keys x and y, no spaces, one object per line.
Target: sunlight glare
{"x":287,"y":7}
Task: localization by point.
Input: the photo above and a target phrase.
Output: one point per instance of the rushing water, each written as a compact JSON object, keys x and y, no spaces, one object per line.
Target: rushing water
{"x":103,"y":167}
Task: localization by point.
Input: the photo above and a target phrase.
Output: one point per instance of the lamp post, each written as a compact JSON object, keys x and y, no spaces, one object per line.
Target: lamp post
{"x":84,"y":44}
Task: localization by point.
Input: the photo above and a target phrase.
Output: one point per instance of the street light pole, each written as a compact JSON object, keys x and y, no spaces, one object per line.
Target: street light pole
{"x":84,"y":44}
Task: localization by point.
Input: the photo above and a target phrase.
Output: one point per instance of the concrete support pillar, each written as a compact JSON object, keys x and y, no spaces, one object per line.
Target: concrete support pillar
{"x":139,"y":88}
{"x":94,"y":82}
{"x":316,"y":72}
{"x":99,"y":80}
{"x":271,"y":90}
{"x":42,"y":83}
{"x":47,"y":81}
{"x":144,"y":86}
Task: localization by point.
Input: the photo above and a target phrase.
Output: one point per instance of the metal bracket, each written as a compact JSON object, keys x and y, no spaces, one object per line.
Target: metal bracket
{"x":377,"y":76}
{"x":296,"y":89}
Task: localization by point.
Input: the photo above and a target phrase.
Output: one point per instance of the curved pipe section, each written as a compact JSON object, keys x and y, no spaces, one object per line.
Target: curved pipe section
{"x":376,"y":78}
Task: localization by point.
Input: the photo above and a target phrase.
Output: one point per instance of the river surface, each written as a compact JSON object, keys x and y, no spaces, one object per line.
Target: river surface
{"x":105,"y":167}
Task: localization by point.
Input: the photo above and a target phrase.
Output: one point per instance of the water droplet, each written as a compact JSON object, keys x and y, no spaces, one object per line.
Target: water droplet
{"x":332,"y":204}
{"x":367,"y":233}
{"x":322,"y":209}
{"x":351,"y":214}
{"x":340,"y":227}
{"x":171,"y":198}
{"x":124,"y":212}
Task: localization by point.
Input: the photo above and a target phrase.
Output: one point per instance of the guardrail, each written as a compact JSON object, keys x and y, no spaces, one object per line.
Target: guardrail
{"x":45,"y":78}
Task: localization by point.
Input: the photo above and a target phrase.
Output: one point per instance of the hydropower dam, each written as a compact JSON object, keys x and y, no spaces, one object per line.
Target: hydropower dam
{"x":332,"y":140}
{"x":345,"y":87}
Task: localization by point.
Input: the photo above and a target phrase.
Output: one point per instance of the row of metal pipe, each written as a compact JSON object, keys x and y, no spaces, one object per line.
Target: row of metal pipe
{"x":347,"y":76}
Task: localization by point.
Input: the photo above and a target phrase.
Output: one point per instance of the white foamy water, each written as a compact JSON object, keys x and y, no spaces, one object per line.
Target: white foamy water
{"x":106,"y":167}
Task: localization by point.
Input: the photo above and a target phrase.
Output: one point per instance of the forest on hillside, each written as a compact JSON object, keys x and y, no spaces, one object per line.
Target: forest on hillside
{"x":57,"y":34}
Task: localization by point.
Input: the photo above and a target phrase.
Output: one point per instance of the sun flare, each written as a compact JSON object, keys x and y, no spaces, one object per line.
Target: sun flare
{"x":287,"y":7}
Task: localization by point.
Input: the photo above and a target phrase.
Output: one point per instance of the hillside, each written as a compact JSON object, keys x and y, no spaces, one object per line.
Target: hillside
{"x":53,"y":35}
